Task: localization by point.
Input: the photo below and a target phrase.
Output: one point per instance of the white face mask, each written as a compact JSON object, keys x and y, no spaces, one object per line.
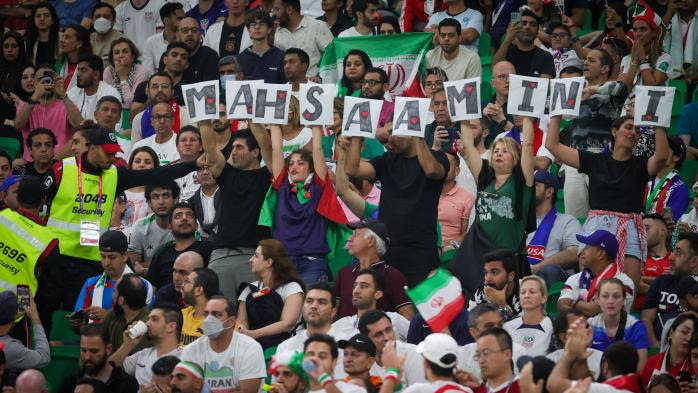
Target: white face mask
{"x":102,"y":25}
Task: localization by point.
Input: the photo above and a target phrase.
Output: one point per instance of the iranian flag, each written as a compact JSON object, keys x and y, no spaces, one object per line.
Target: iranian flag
{"x":439,"y":299}
{"x":402,"y":56}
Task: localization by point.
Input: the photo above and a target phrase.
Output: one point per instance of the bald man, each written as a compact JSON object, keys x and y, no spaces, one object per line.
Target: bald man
{"x":31,"y":381}
{"x":495,"y":111}
{"x":203,"y":61}
{"x":185,"y":263}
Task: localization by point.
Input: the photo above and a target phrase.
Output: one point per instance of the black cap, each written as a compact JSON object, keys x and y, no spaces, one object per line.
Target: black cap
{"x":105,"y":138}
{"x":9,"y":306}
{"x":687,"y":285}
{"x":360,"y":342}
{"x":376,"y":226}
{"x":113,"y":241}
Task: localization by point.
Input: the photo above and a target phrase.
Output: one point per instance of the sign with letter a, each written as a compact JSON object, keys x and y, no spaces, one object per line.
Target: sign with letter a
{"x":410,"y":116}
{"x":271,"y":102}
{"x":527,"y":95}
{"x":317,"y":103}
{"x":653,"y":105}
{"x":201,"y":100}
{"x":361,"y":116}
{"x":239,"y":98}
{"x":463,"y":98}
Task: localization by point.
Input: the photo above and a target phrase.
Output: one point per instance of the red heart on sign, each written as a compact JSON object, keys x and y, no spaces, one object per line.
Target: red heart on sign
{"x":282,"y":94}
{"x":570,"y":102}
{"x":249,"y":108}
{"x":648,"y":117}
{"x":469,"y":89}
{"x":307,"y":115}
{"x":414,"y":120}
{"x":210,"y":100}
{"x":533,"y":84}
{"x":364,"y":114}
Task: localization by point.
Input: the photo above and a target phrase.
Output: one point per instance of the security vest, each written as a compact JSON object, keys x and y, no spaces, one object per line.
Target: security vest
{"x":22,"y":241}
{"x":65,"y":216}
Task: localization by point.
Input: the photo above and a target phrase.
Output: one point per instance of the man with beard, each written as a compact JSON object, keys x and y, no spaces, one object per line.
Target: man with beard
{"x":374,"y":86}
{"x":90,"y":88}
{"x":287,"y":372}
{"x":519,"y":48}
{"x":359,"y":357}
{"x":501,"y":286}
{"x":197,"y":289}
{"x":243,"y":185}
{"x":299,"y":31}
{"x":153,"y":230}
{"x":129,"y":307}
{"x":94,"y":352}
{"x":164,"y":328}
{"x":203,"y":61}
{"x":365,"y":12}
{"x":182,"y":220}
{"x":319,"y":310}
{"x":184,"y":264}
{"x":187,"y":377}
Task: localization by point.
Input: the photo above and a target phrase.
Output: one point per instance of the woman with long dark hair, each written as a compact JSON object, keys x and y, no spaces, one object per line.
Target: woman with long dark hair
{"x":42,"y":34}
{"x":356,"y":62}
{"x":677,"y":357}
{"x":647,"y":64}
{"x":12,"y":64}
{"x":73,"y":44}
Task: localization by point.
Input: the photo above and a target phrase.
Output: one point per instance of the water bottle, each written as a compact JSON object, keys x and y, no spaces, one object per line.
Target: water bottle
{"x":309,"y":366}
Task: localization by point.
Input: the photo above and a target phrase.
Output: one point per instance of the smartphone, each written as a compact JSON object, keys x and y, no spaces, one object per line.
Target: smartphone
{"x":80,"y":314}
{"x":23,"y":296}
{"x":685,"y":376}
{"x":515,"y":17}
{"x":452,"y":134}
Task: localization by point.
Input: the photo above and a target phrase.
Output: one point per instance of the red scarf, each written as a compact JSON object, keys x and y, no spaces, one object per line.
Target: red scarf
{"x":609,"y":272}
{"x":629,"y":382}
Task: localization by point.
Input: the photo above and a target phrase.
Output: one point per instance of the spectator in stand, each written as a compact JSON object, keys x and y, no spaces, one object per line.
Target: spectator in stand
{"x":12,"y":62}
{"x":319,"y":310}
{"x":295,"y":65}
{"x":662,"y":301}
{"x":597,"y":259}
{"x":49,"y":105}
{"x":500,"y":286}
{"x":680,"y":49}
{"x":164,"y":140}
{"x":498,"y":120}
{"x":123,"y":73}
{"x":561,"y":46}
{"x":9,"y":190}
{"x":689,"y":221}
{"x":31,"y":381}
{"x":658,"y":260}
{"x":162,"y":374}
{"x":18,"y":356}
{"x":153,"y":231}
{"x":298,"y":31}
{"x":667,"y":189}
{"x":552,"y":248}
{"x":368,"y":244}
{"x":74,"y":43}
{"x":207,"y":203}
{"x":457,"y":61}
{"x":90,"y":88}
{"x":335,"y":17}
{"x":95,"y":350}
{"x":185,"y":263}
{"x":170,"y":14}
{"x":203,"y":61}
{"x":562,"y":322}
{"x":208,"y":12}
{"x":103,"y":17}
{"x":415,"y":14}
{"x":495,"y":356}
{"x":128,"y":307}
{"x":688,"y":289}
{"x":5,"y":165}
{"x":648,"y":64}
{"x":270,"y":308}
{"x":229,"y":65}
{"x":140,"y":158}
{"x":470,"y":21}
{"x":322,"y":350}
{"x":388,"y":25}
{"x":614,"y":324}
{"x":261,"y":60}
{"x":182,"y":222}
{"x":677,"y":357}
{"x":197,"y":289}
{"x":188,"y":377}
{"x":375,"y":85}
{"x":236,"y":363}
{"x":455,"y":206}
{"x":42,"y":34}
{"x":161,"y":87}
{"x":230,"y":36}
{"x":526,"y":57}
{"x":533,"y":329}
{"x":41,"y":145}
{"x":355,"y":65}
{"x":358,"y":358}
{"x":139,"y":20}
{"x":188,"y":141}
{"x":617,"y":49}
{"x":365,"y":12}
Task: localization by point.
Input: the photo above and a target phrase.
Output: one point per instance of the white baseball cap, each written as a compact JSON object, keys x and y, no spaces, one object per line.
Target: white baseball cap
{"x":436,"y":346}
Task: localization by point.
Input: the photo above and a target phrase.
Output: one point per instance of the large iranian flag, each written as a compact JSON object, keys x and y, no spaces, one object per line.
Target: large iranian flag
{"x":439,"y":299}
{"x":400,"y":55}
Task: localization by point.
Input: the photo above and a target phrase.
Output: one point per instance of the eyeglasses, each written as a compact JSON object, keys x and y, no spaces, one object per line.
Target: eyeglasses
{"x":370,"y":82}
{"x":485,"y":354}
{"x":502,"y":77}
{"x":185,"y":30}
{"x":162,"y":117}
{"x":436,"y":83}
{"x":559,"y":36}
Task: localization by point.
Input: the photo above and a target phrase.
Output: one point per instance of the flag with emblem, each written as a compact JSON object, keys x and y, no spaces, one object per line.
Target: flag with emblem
{"x":402,"y":56}
{"x":439,"y":299}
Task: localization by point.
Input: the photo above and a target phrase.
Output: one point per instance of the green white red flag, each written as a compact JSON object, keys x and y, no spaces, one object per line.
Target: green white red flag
{"x":439,"y":299}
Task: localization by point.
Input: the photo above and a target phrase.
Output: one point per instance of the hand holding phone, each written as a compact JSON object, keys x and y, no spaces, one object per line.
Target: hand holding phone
{"x":23,"y":296}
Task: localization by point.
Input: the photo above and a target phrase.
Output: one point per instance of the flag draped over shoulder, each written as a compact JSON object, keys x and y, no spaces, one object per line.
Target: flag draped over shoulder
{"x":402,"y":56}
{"x":439,"y":299}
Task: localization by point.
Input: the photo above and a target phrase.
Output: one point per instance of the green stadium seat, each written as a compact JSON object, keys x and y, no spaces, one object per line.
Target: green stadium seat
{"x":485,"y":91}
{"x":695,"y":96}
{"x":602,"y":21}
{"x":587,"y":20}
{"x":679,"y":97}
{"x":688,"y":172}
{"x":560,"y":204}
{"x":487,"y":73}
{"x":64,"y":363}
{"x":553,"y":295}
{"x":485,"y":48}
{"x":60,"y":329}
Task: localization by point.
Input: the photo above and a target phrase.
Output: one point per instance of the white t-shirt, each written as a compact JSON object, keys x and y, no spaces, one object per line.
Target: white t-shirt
{"x":137,"y":208}
{"x":138,"y":24}
{"x":243,"y":359}
{"x":534,"y":338}
{"x":344,"y":387}
{"x":351,"y":32}
{"x":347,"y":327}
{"x":207,"y":204}
{"x":467,"y":363}
{"x":296,"y":342}
{"x":431,"y":387}
{"x":284,"y":291}
{"x":153,"y":49}
{"x":139,"y":364}
{"x":188,"y":186}
{"x":572,"y":291}
{"x":147,"y":237}
{"x":593,"y":361}
{"x":87,"y":104}
{"x":469,"y":18}
{"x":167,"y":152}
{"x":663,"y":64}
{"x":303,"y":138}
{"x":691,"y":218}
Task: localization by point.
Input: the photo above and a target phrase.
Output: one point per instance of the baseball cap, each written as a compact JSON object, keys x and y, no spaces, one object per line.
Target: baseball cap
{"x":543,"y":176}
{"x":436,"y":348}
{"x":113,"y":241}
{"x":9,"y":306}
{"x":687,"y":286}
{"x":376,"y":226}
{"x":602,"y":239}
{"x":570,"y":63}
{"x":9,"y":182}
{"x":360,"y":342}
{"x":105,"y":138}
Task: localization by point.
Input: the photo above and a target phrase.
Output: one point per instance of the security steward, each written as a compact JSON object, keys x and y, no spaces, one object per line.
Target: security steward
{"x":81,"y":192}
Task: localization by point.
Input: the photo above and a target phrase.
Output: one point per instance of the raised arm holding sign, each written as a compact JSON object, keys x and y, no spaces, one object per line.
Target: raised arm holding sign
{"x":239,"y":98}
{"x":271,"y":102}
{"x":653,"y":105}
{"x":409,"y":117}
{"x":566,"y":96}
{"x":316,"y":104}
{"x":527,"y":95}
{"x":201,"y":100}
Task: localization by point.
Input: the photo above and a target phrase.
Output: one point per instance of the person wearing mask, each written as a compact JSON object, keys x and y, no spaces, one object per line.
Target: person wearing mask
{"x":230,"y":358}
{"x":319,"y":310}
{"x":123,"y":72}
{"x":90,"y":88}
{"x":322,"y":351}
{"x":103,"y":17}
{"x":365,"y":12}
{"x":129,"y":307}
{"x":470,"y":20}
{"x":18,"y":356}
{"x":138,"y":20}
{"x":160,"y":88}
{"x":335,"y":17}
{"x":457,"y":61}
{"x":501,"y":286}
{"x":197,"y":289}
{"x":203,"y":61}
{"x":164,"y":327}
{"x":170,"y":14}
{"x":519,"y":48}
{"x":262,"y":61}
{"x":183,"y":265}
{"x":93,"y":363}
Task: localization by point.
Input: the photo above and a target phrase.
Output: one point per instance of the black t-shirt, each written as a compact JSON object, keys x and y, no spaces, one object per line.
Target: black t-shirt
{"x":141,"y":95}
{"x":44,"y":54}
{"x":532,"y":63}
{"x":243,"y":195}
{"x":231,"y":38}
{"x":203,"y":66}
{"x":409,"y":199}
{"x":617,"y":186}
{"x":160,"y":270}
{"x":663,"y":296}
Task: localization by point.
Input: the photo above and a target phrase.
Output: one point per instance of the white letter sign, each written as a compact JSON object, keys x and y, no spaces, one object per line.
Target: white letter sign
{"x":653,"y":105}
{"x":201,"y":100}
{"x":271,"y":103}
{"x":410,"y":116}
{"x":566,"y":96}
{"x":361,"y":116}
{"x":527,"y":95}
{"x":463,"y":97}
{"x":317,"y":103}
{"x":239,"y":97}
